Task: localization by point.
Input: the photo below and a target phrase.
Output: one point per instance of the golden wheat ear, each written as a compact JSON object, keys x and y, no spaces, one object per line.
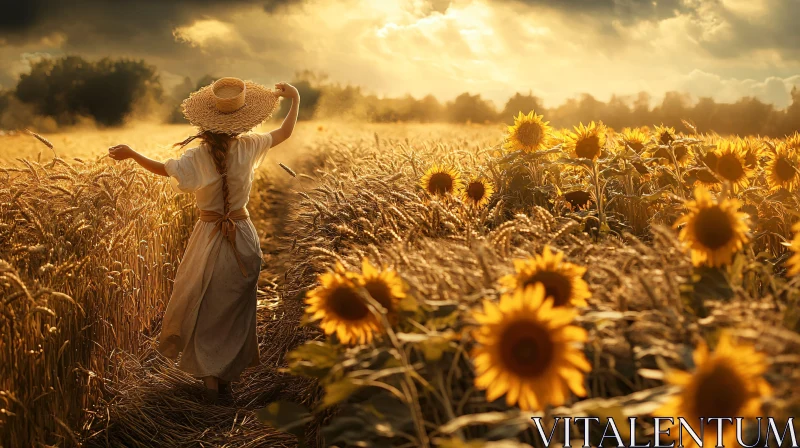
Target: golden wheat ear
{"x":43,"y":140}
{"x":288,"y":170}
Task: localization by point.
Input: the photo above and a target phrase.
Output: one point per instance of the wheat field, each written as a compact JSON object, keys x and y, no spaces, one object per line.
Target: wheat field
{"x":423,"y":285}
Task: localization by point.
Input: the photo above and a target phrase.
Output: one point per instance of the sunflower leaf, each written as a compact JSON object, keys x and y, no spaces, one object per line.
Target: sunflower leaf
{"x":484,"y":418}
{"x":337,"y":392}
{"x":313,"y":359}
{"x":286,"y":416}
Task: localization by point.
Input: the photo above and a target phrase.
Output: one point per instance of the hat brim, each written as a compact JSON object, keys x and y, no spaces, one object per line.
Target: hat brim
{"x":259,"y":105}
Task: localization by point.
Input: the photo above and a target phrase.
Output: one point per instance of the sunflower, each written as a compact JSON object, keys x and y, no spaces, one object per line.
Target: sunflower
{"x":440,"y":180}
{"x":794,"y":261}
{"x":731,"y":164}
{"x":706,"y":177}
{"x":710,"y":158}
{"x":635,"y":138}
{"x":713,"y":230}
{"x":683,"y":154}
{"x":530,"y":133}
{"x":782,"y":166}
{"x":478,"y":191}
{"x":560,"y":135}
{"x":753,"y":151}
{"x":525,"y":350}
{"x":664,"y":134}
{"x":385,"y":286}
{"x":793,"y":141}
{"x":338,"y":304}
{"x":586,"y":142}
{"x":561,"y":280}
{"x":726,"y":383}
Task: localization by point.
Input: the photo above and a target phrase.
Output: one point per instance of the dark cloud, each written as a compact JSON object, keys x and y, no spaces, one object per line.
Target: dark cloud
{"x":623,"y":10}
{"x":776,"y":29}
{"x":139,"y":29}
{"x":271,"y":6}
{"x":84,"y":20}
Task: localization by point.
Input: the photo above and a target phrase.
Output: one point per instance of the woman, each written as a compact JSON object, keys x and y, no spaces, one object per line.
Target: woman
{"x":211,"y":317}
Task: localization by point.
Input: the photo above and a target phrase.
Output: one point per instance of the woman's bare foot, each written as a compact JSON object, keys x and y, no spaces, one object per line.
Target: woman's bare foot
{"x":212,"y":388}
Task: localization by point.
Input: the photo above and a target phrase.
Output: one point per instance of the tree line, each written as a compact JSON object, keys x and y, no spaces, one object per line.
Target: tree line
{"x":68,"y":90}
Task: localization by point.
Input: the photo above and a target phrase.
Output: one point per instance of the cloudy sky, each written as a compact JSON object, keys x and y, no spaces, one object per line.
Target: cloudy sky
{"x":725,"y":49}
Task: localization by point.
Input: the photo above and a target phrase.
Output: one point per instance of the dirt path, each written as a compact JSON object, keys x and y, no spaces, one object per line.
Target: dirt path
{"x":154,"y":404}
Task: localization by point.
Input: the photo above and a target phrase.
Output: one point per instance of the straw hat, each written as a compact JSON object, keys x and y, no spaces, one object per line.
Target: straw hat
{"x":230,"y":106}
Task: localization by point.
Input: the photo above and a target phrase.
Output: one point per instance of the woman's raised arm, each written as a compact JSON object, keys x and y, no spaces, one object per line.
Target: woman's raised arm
{"x":286,"y":90}
{"x":122,"y":152}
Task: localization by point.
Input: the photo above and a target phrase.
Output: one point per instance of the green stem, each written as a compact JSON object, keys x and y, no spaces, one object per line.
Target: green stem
{"x":601,"y":212}
{"x":678,"y":171}
{"x":409,"y":383}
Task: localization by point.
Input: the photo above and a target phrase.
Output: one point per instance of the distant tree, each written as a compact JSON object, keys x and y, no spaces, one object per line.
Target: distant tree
{"x":426,"y":110}
{"x":750,"y":116}
{"x":705,"y":114}
{"x":672,"y":109}
{"x":521,"y":103}
{"x":641,"y":108}
{"x":617,"y":113}
{"x":589,"y":109}
{"x":204,"y":81}
{"x":309,"y":97}
{"x":791,"y":120}
{"x":5,"y":99}
{"x":71,"y":86}
{"x":176,"y":97}
{"x":59,"y":91}
{"x":470,"y":108}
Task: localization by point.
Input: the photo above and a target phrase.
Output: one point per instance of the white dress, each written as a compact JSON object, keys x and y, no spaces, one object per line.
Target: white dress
{"x":211,"y":316}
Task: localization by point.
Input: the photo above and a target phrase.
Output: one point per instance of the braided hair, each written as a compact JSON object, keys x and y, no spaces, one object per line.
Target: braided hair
{"x":218,"y":144}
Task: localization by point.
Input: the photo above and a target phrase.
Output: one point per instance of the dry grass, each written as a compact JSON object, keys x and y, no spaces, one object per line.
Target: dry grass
{"x":88,"y":252}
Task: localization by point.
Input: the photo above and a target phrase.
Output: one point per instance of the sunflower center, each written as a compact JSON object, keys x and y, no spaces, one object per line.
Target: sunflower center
{"x":636,"y":146}
{"x":681,"y":153}
{"x":526,"y":349}
{"x":720,"y":392}
{"x":713,"y":228}
{"x":661,"y":153}
{"x":729,"y":167}
{"x":380,"y":291}
{"x":346,"y":304}
{"x":578,"y":198}
{"x":476,"y":191}
{"x":588,"y":147}
{"x":784,"y":170}
{"x":665,"y":138}
{"x":440,"y":183}
{"x":556,"y":285}
{"x":529,"y":134}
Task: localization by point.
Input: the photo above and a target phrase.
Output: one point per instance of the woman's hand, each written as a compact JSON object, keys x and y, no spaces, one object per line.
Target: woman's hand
{"x":120,"y":152}
{"x":286,"y":90}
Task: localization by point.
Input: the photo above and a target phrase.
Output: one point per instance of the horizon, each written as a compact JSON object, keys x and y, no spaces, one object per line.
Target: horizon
{"x":725,"y":49}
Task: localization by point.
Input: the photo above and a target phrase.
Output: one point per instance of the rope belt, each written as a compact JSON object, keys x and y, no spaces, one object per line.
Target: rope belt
{"x":226,"y":224}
